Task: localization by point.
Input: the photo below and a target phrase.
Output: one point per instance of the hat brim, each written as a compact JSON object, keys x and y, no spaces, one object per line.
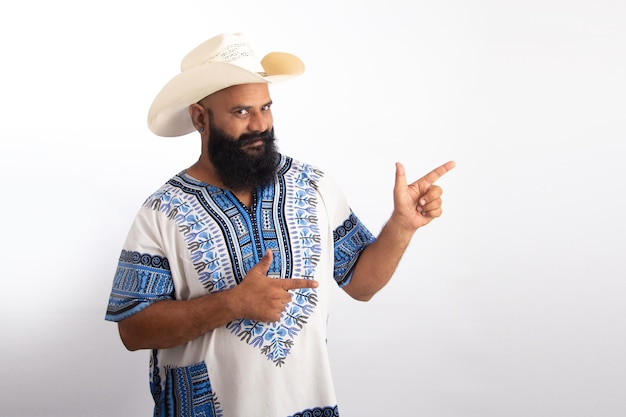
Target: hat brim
{"x":169,"y":115}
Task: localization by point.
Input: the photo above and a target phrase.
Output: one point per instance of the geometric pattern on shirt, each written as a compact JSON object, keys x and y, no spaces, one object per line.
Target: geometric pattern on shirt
{"x":226,"y":240}
{"x":318,"y":412}
{"x":187,"y":391}
{"x":349,"y":238}
{"x":140,"y":280}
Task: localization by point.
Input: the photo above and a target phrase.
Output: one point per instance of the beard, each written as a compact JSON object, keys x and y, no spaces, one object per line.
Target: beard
{"x":242,"y":169}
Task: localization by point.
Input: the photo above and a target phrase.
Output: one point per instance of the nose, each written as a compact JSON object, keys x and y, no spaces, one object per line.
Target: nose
{"x":259,"y":122}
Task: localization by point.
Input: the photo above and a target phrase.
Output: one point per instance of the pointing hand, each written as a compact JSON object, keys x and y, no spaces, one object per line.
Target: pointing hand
{"x":419,"y":202}
{"x":264,"y":299}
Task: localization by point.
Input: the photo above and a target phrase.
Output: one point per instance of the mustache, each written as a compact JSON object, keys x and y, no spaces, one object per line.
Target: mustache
{"x":248,"y":138}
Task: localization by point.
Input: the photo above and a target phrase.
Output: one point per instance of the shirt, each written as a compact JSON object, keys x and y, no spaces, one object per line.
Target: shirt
{"x":190,"y":239}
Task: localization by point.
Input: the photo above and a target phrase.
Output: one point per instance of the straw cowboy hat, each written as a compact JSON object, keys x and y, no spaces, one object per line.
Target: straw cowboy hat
{"x":222,"y":61}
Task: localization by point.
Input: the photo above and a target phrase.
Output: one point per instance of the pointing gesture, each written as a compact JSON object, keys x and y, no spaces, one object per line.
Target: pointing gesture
{"x":262,"y":298}
{"x":416,"y":204}
{"x":170,"y":323}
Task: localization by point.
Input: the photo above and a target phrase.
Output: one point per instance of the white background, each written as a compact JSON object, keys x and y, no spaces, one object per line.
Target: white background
{"x":511,"y":304}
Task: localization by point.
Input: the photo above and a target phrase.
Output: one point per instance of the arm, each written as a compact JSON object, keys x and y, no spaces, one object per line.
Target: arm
{"x":415,"y":205}
{"x":170,"y":323}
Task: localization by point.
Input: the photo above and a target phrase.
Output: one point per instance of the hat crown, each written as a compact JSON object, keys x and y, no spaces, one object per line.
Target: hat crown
{"x":234,"y":49}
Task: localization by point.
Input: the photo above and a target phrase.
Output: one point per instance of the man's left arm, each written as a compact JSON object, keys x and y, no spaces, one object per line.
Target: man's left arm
{"x":415,"y":205}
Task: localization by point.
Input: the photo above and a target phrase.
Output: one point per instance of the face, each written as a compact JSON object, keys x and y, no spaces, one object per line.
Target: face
{"x":241,"y":143}
{"x":241,"y":109}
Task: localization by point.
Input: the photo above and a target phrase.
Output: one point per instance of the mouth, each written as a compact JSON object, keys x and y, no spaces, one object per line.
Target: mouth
{"x":254,"y":147}
{"x":255,"y":142}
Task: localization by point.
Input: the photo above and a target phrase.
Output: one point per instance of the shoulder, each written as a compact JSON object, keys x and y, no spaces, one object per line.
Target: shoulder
{"x":291,"y":167}
{"x":169,"y":190}
{"x":303,"y":173}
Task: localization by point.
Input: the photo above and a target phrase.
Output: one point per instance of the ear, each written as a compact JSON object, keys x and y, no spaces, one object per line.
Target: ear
{"x":198,"y":117}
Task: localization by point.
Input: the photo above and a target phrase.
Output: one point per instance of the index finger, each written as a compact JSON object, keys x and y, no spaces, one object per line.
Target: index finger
{"x":438,"y":172}
{"x":293,"y":284}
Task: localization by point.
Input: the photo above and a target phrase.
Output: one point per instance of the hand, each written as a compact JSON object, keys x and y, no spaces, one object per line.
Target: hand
{"x":416,"y":204}
{"x":264,"y":299}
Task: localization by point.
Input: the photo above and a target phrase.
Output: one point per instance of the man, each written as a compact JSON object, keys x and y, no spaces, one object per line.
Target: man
{"x":226,"y":271}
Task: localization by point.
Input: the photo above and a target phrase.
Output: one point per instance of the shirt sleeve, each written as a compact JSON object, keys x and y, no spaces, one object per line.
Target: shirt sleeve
{"x":350,"y":239}
{"x":350,"y":235}
{"x":140,"y":280}
{"x":143,"y":274}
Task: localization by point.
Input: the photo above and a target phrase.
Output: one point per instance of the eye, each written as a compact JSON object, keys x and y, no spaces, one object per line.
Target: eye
{"x":266,"y":107}
{"x":242,"y":112}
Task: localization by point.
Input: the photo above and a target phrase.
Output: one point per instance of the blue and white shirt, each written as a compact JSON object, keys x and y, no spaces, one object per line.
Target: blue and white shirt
{"x":190,"y":239}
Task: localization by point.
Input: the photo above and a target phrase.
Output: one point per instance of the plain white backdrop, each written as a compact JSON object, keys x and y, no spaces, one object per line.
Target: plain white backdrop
{"x":512,"y":304}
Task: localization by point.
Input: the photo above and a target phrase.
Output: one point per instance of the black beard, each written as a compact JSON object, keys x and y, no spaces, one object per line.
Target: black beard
{"x":237,"y":168}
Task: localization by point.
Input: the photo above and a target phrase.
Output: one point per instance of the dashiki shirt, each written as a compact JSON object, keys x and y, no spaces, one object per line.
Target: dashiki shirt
{"x":190,"y":239}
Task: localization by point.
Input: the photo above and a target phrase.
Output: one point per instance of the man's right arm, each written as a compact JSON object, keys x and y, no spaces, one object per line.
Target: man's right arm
{"x":170,"y":323}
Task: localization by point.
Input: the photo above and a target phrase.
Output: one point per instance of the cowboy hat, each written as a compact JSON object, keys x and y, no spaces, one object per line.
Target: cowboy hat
{"x":220,"y":62}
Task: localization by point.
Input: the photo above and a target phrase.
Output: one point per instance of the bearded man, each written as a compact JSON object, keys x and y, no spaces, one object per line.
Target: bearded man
{"x":227,"y":269}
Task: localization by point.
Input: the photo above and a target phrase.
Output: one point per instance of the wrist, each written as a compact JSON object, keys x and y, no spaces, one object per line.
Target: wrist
{"x":401,"y":226}
{"x":232,"y":303}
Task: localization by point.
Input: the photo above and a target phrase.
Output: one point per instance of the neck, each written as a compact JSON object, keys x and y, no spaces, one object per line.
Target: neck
{"x":205,"y":171}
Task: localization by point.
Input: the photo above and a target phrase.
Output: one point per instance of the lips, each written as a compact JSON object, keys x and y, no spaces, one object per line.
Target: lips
{"x":254,"y":139}
{"x":254,"y":142}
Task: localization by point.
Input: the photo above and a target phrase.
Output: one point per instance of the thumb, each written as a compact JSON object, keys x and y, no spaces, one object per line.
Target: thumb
{"x":400,"y":176}
{"x":266,"y":261}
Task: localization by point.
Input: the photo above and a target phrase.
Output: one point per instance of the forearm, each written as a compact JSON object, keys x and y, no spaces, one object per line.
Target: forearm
{"x":379,"y":260}
{"x":170,"y":323}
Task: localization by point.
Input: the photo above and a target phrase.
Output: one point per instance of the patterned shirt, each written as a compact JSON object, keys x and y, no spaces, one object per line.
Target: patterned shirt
{"x":190,"y":239}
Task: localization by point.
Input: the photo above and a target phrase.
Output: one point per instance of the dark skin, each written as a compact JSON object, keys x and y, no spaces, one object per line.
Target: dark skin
{"x":247,"y":109}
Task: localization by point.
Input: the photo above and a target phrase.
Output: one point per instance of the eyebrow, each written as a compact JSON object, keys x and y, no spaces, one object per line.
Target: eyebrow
{"x":248,"y":107}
